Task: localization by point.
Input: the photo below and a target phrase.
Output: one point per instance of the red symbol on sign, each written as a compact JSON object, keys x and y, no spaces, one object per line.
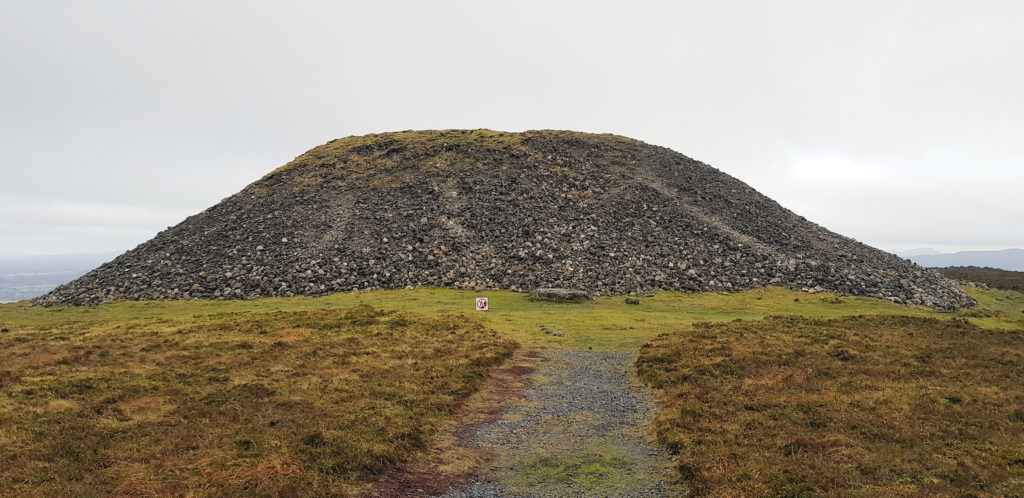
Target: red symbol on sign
{"x":481,"y":304}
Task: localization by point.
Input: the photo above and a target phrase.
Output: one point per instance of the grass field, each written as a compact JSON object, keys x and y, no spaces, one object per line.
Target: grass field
{"x":310,"y":395}
{"x":604,"y":323}
{"x":280,"y":403}
{"x":867,"y":406}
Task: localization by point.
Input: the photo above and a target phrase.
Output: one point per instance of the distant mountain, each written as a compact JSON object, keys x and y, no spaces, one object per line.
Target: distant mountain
{"x":25,"y":277}
{"x":1007,"y":259}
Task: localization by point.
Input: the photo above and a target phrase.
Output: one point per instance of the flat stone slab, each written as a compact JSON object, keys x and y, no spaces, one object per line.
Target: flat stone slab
{"x":560,"y":294}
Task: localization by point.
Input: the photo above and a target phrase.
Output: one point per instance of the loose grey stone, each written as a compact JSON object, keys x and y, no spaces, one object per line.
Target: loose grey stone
{"x":560,"y":294}
{"x":587,"y":403}
{"x":602,"y":214}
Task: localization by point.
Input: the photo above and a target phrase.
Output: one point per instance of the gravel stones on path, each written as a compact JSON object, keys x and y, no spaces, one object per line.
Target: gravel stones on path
{"x":579,"y":432}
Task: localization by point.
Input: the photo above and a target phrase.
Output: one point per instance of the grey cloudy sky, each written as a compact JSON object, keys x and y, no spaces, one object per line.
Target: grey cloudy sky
{"x":897,"y":123}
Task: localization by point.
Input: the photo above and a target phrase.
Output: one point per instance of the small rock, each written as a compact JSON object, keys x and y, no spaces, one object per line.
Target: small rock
{"x":558,"y":333}
{"x":630,"y":300}
{"x":4,"y":331}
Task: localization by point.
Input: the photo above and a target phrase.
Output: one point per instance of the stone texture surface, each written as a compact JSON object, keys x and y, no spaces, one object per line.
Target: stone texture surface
{"x":581,"y":404}
{"x":560,"y":294}
{"x":479,"y":209}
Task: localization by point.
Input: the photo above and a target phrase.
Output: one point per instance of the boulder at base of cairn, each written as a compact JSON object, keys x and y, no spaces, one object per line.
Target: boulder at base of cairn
{"x":560,"y":295}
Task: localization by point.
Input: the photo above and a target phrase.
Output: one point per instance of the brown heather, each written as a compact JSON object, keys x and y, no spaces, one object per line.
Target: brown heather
{"x":293,"y":403}
{"x":856,"y":406}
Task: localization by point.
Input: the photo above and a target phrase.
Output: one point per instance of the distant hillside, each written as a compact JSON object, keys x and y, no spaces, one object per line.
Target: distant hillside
{"x":992,"y":277}
{"x":1008,"y":259}
{"x":26,"y":277}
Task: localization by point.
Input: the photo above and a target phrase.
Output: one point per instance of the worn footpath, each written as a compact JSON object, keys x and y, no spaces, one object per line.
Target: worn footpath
{"x":580,"y":431}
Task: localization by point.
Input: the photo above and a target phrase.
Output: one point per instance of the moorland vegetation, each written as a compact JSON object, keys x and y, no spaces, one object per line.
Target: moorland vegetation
{"x":992,"y":277}
{"x":282,"y":403}
{"x":866,"y":405}
{"x":326,"y":394}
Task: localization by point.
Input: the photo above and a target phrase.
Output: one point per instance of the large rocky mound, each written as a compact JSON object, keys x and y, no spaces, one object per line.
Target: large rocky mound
{"x":484,"y":209}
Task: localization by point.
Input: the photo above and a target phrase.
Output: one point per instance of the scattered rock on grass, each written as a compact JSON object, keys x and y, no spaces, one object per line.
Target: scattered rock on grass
{"x":561,"y":295}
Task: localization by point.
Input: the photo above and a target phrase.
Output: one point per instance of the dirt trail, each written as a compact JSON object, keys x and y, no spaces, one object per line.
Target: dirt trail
{"x":579,"y":432}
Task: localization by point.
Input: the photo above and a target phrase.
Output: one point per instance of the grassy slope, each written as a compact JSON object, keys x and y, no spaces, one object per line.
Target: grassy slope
{"x":48,"y":348}
{"x":868,"y":406}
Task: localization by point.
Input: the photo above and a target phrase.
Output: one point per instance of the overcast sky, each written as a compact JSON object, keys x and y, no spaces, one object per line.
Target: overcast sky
{"x":900,"y":124}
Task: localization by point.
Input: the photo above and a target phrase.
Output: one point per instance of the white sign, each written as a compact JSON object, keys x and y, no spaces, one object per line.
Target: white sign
{"x":481,"y":304}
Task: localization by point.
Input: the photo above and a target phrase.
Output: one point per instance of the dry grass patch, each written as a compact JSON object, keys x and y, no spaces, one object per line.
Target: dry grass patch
{"x":284,"y":403}
{"x":867,"y":406}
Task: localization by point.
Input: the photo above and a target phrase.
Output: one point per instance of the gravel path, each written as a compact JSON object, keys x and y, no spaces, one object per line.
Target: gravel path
{"x":579,"y":432}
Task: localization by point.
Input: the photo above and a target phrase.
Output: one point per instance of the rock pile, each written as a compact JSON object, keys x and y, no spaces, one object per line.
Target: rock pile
{"x":483,"y":209}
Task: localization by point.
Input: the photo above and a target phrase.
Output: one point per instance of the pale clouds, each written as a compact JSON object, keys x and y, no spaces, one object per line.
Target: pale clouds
{"x":81,"y":226}
{"x":896,"y":123}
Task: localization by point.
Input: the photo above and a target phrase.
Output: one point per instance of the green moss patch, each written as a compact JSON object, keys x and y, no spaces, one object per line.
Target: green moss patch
{"x":601,"y":467}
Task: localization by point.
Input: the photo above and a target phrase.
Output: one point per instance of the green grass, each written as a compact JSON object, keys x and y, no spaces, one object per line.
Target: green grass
{"x":603,"y":323}
{"x":277,"y":403}
{"x":864,"y":406}
{"x":601,"y":468}
{"x":997,"y":309}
